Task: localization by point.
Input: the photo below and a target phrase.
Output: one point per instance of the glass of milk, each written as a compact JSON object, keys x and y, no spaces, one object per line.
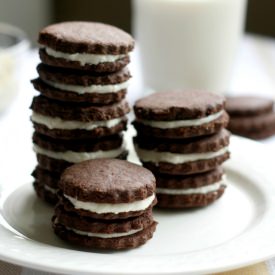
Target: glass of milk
{"x":13,"y":44}
{"x":188,"y":44}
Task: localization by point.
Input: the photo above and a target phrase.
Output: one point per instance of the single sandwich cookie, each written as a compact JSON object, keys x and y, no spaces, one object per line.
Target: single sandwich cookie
{"x":68,"y":120}
{"x":180,"y":114}
{"x":189,"y":191}
{"x":46,"y":184}
{"x":55,"y":155}
{"x":185,"y":156}
{"x":107,"y":189}
{"x":103,"y":234}
{"x":251,"y":117}
{"x":88,"y":46}
{"x":77,"y":86}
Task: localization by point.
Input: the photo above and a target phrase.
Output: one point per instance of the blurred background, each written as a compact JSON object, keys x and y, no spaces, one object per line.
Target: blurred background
{"x":37,"y":13}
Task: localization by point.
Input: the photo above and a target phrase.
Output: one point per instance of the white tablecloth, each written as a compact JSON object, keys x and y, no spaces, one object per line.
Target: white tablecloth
{"x":254,"y":73}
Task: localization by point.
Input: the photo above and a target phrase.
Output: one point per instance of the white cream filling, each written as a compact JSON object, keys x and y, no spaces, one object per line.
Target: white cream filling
{"x":102,"y":89}
{"x":181,"y":123}
{"x":85,"y":58}
{"x":102,"y":235}
{"x":75,"y":157}
{"x":175,"y":158}
{"x":200,"y":190}
{"x":58,"y":123}
{"x":101,"y":208}
{"x":50,"y":189}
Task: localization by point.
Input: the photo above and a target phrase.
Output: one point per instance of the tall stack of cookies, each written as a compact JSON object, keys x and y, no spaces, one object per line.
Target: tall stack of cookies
{"x":81,"y":111}
{"x":181,"y":138}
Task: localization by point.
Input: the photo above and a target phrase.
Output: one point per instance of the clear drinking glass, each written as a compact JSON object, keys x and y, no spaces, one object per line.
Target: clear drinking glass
{"x":188,"y":43}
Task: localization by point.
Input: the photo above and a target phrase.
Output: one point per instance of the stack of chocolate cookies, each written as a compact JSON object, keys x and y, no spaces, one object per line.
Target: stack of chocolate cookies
{"x":81,"y":111}
{"x":182,"y":140}
{"x":106,"y":203}
{"x":251,"y":116}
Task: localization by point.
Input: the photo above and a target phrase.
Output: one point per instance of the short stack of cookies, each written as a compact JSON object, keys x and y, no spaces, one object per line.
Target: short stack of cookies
{"x":81,"y":111}
{"x":251,"y":116}
{"x":181,"y":138}
{"x":106,"y":203}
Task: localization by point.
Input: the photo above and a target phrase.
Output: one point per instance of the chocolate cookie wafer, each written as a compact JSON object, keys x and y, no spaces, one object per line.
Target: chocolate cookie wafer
{"x":46,"y":184}
{"x":78,"y":86}
{"x":190,"y":191}
{"x":183,"y":156}
{"x":67,"y":120}
{"x":55,"y":155}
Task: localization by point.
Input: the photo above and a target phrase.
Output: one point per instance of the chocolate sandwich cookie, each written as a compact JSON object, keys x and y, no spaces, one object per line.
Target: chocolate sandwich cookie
{"x":46,"y":184}
{"x":183,"y":156}
{"x":189,"y":191}
{"x":107,"y":189}
{"x":55,"y":155}
{"x":251,"y":116}
{"x":103,"y":234}
{"x":180,"y":114}
{"x":78,"y":86}
{"x":88,"y":46}
{"x":105,"y":204}
{"x":68,"y":120}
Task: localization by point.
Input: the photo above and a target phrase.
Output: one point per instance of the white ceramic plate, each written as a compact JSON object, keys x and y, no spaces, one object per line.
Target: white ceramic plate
{"x":235,"y":231}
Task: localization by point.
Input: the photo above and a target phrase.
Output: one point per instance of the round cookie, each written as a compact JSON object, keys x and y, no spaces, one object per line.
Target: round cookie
{"x":180,"y":114}
{"x":247,"y":106}
{"x":251,"y":117}
{"x":68,"y":120}
{"x":88,"y":46}
{"x":113,"y":234}
{"x":75,"y":86}
{"x":55,"y":155}
{"x":107,"y":189}
{"x":46,"y":184}
{"x":197,"y":190}
{"x":183,"y":156}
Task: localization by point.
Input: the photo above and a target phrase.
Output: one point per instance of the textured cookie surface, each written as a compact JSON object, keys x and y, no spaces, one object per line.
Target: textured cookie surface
{"x":189,"y":201}
{"x":94,"y":98}
{"x":106,"y":67}
{"x":178,"y":105}
{"x":183,"y":132}
{"x":126,"y":242}
{"x":86,"y":37}
{"x":59,"y":165}
{"x":52,"y":80}
{"x":73,"y":77}
{"x":78,"y":112}
{"x":189,"y":181}
{"x":90,"y":145}
{"x":185,"y":146}
{"x":248,"y":106}
{"x":73,"y":220}
{"x":255,"y":127}
{"x":187,"y":168}
{"x":107,"y":180}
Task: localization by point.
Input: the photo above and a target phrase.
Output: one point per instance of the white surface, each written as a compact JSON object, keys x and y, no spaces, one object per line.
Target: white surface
{"x":188,"y":43}
{"x":235,"y":231}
